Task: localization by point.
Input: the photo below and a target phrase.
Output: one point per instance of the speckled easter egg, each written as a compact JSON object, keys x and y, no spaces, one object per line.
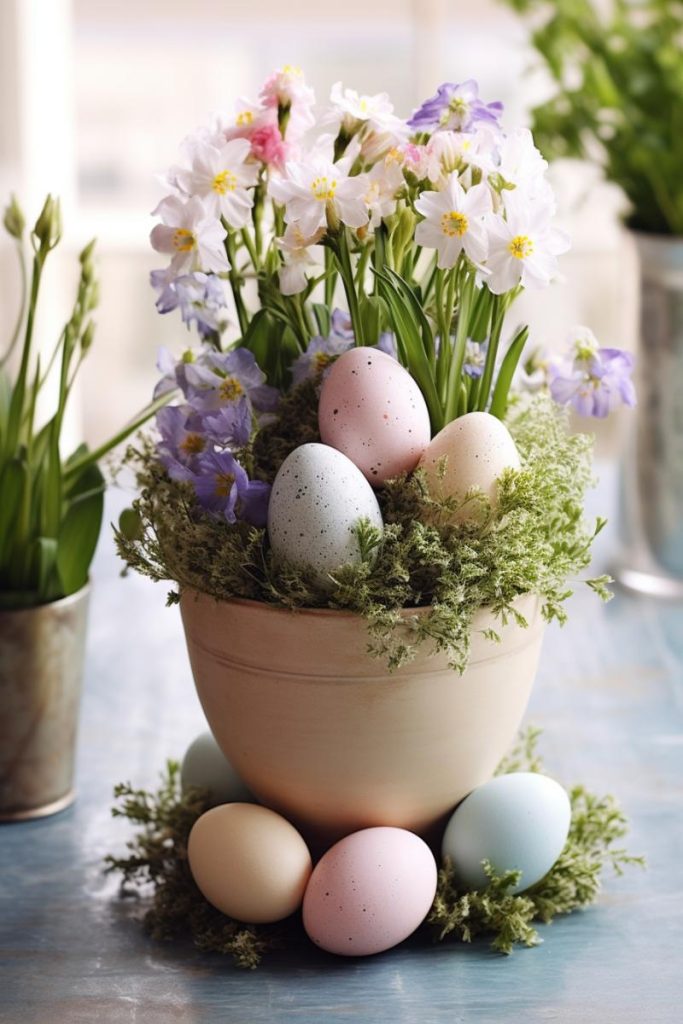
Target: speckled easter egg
{"x":473,"y":451}
{"x":372,"y":410}
{"x":517,"y":822}
{"x":206,"y":767}
{"x":369,"y":892}
{"x":318,"y":496}
{"x":249,"y":862}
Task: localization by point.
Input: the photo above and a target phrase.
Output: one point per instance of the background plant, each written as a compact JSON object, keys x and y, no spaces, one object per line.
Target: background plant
{"x":618,"y":96}
{"x":51,"y":508}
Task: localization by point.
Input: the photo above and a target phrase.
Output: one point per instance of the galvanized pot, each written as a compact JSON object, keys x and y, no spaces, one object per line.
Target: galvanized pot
{"x":651,"y":511}
{"x":41,"y":666}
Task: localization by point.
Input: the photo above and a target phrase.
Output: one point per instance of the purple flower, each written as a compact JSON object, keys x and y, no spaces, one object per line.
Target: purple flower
{"x":182,"y":441}
{"x":219,"y":378}
{"x":475,"y":358}
{"x":319,"y":355}
{"x":594,"y":381}
{"x":456,"y":108}
{"x":229,"y":426}
{"x":387,"y":344}
{"x":223,"y":487}
{"x":199,"y":296}
{"x":340,"y":321}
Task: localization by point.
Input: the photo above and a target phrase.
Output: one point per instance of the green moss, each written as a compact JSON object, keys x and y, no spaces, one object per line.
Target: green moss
{"x":534,"y":541}
{"x":156,"y":864}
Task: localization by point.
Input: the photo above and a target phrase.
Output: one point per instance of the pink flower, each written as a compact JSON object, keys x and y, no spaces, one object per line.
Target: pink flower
{"x":268,"y":145}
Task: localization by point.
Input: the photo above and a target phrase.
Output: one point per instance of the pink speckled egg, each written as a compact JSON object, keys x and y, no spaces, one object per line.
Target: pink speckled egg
{"x":369,"y":892}
{"x":372,"y":410}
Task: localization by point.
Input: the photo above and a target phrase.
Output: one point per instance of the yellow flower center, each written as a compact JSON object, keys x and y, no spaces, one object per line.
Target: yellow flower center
{"x":225,"y":181}
{"x":230,"y":389}
{"x":193,"y":444}
{"x":224,"y":482}
{"x":323,"y":189}
{"x":245,"y":117}
{"x":322,"y":360}
{"x":454,"y":223}
{"x":521,"y":247}
{"x":292,"y":69}
{"x":183,"y":240}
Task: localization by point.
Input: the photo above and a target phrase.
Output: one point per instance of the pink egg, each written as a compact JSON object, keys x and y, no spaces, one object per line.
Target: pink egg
{"x":372,"y":410}
{"x":369,"y":892}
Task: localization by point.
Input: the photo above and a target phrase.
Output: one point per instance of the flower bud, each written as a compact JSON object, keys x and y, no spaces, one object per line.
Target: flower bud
{"x":48,"y":227}
{"x":14,"y":219}
{"x":87,"y":337}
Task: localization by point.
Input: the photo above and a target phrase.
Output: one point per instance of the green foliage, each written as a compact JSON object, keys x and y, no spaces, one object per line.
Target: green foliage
{"x":535,"y":541}
{"x":157,"y":858}
{"x":619,"y":94}
{"x":51,"y":511}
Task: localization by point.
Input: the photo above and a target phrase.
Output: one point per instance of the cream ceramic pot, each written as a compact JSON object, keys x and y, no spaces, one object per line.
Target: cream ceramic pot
{"x":323,"y":733}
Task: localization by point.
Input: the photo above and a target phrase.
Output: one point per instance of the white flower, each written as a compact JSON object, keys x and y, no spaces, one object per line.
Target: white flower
{"x":191,"y":235}
{"x":520,"y":163}
{"x":221,"y":177}
{"x":454,"y":221}
{"x":299,"y":254}
{"x":349,"y":108}
{"x":317,"y":192}
{"x":383,"y":182}
{"x":523,"y":245}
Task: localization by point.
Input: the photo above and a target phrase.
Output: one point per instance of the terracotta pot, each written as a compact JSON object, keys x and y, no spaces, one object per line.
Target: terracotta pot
{"x":41,"y":666}
{"x":322,"y":732}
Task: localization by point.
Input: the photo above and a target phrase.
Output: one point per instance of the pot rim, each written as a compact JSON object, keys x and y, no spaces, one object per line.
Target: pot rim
{"x":248,"y":602}
{"x":60,"y":603}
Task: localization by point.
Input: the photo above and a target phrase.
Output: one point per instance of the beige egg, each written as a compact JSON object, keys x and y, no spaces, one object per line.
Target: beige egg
{"x":249,"y":862}
{"x":471,"y":452}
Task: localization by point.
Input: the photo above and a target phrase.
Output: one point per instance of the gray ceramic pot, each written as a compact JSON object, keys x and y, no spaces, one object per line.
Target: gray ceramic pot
{"x":41,"y":666}
{"x":652,"y":479}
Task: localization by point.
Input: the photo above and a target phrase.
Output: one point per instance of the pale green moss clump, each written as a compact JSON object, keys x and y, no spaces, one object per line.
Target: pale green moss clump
{"x":535,"y":541}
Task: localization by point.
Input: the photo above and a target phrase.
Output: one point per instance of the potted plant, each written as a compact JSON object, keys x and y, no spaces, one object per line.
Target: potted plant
{"x":365,"y":523}
{"x":618,"y":99}
{"x":50,"y":518}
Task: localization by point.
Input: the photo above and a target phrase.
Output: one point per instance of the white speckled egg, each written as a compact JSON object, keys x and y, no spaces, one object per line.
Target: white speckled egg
{"x":205,"y":766}
{"x":372,"y":410}
{"x":318,"y":496}
{"x":517,"y":822}
{"x":477,"y":448}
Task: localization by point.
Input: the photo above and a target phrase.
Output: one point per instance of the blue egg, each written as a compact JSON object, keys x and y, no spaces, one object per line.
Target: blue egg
{"x":206,"y":767}
{"x":517,"y":822}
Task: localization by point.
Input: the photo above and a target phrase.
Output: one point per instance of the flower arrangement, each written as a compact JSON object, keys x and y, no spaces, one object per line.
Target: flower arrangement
{"x":618,"y":97}
{"x":429,"y":228}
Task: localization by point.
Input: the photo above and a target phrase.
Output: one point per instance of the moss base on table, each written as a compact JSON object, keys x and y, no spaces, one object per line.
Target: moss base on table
{"x":157,"y":866}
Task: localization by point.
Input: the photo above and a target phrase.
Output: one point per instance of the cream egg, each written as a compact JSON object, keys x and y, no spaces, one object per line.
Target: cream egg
{"x":317,"y":499}
{"x":249,"y":862}
{"x":518,"y":822}
{"x":372,"y":410}
{"x":471,"y":452}
{"x":369,"y":892}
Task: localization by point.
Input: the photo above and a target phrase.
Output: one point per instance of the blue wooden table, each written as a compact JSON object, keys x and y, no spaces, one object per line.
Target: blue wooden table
{"x":609,"y":696}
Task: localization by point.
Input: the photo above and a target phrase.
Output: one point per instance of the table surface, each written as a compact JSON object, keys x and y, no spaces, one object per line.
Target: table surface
{"x":609,"y":696}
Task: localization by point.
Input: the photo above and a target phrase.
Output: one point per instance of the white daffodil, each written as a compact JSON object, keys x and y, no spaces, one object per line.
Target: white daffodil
{"x":221,"y":178}
{"x":384,"y":181}
{"x":350,"y":109}
{"x":299,"y":252}
{"x":191,"y":235}
{"x":523,"y":245}
{"x":317,"y":193}
{"x":454,"y":220}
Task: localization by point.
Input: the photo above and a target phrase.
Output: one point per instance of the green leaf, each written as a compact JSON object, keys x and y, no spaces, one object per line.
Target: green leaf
{"x":499,"y":402}
{"x":44,"y":559}
{"x":322,"y":318}
{"x":273,"y":345}
{"x":13,"y":481}
{"x":80,"y":531}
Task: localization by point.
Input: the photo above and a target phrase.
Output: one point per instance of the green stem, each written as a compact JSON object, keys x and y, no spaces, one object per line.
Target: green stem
{"x":16,"y":412}
{"x":498,"y":310}
{"x":22,"y":306}
{"x":343,"y":255}
{"x":250,"y":247}
{"x":89,"y":458}
{"x":236,"y":284}
{"x":453,"y":396}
